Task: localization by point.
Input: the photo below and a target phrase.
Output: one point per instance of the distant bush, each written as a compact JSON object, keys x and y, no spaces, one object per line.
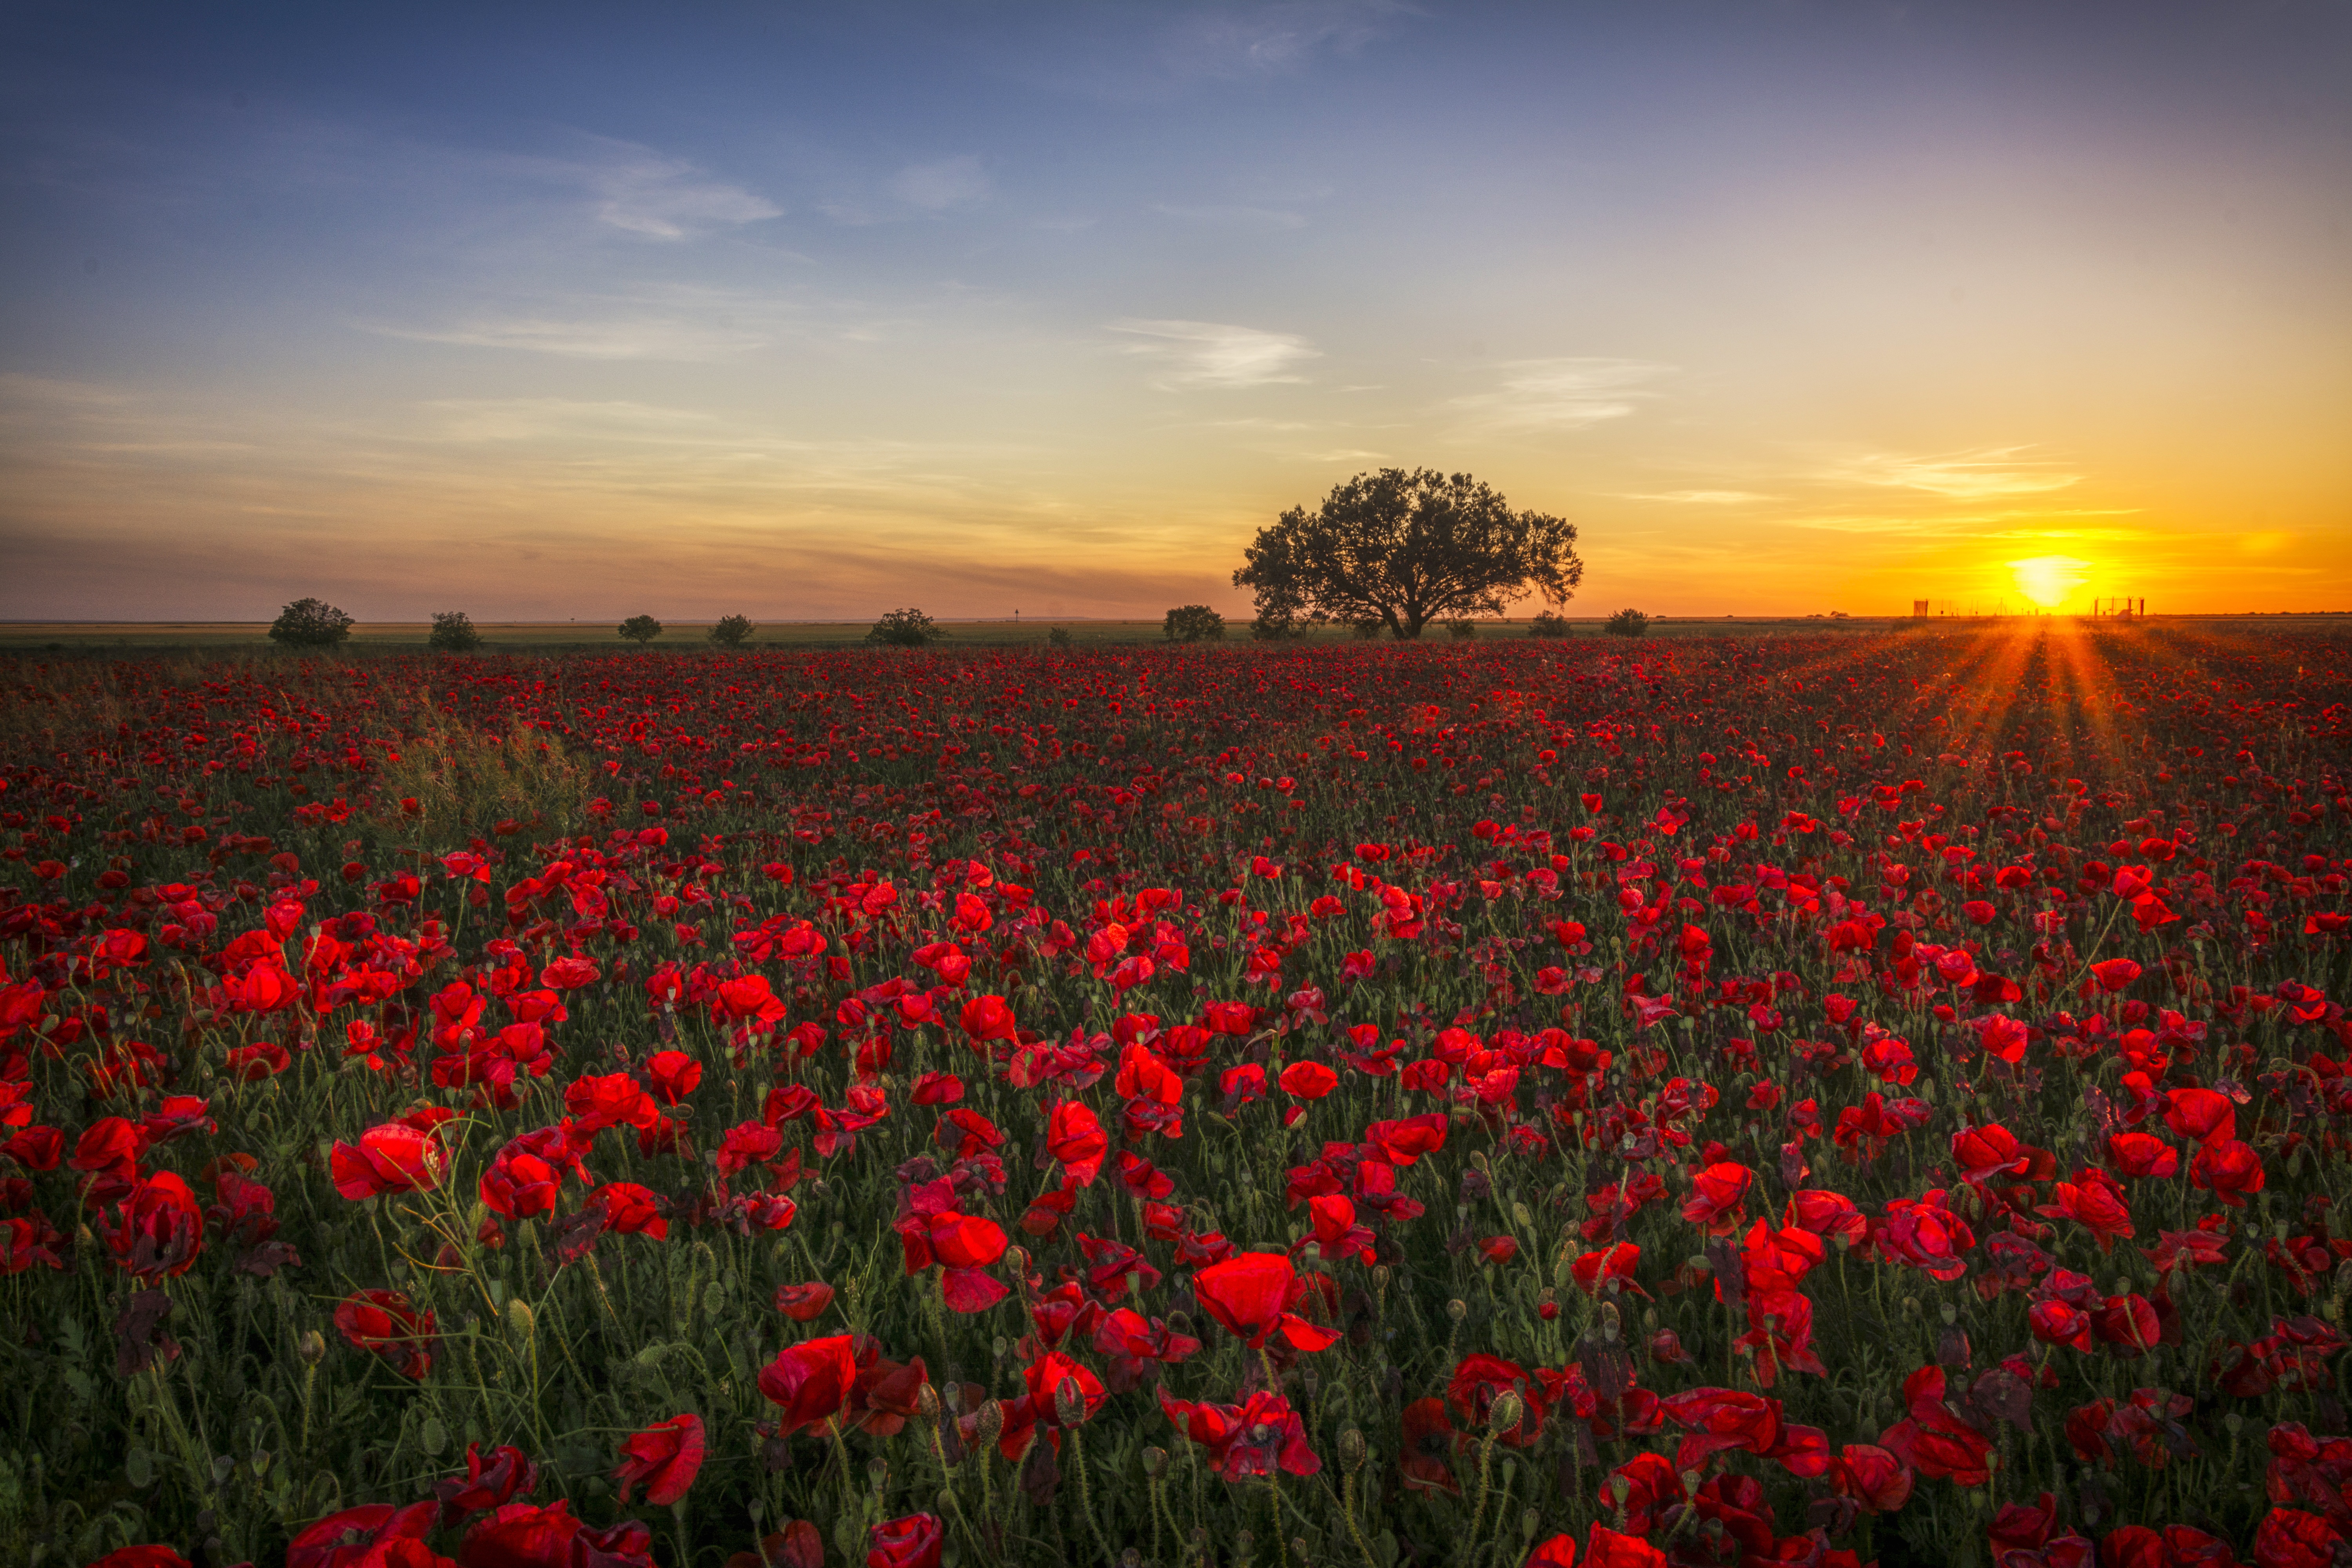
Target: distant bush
{"x":1368,"y":630}
{"x":1193,"y":623}
{"x":733,"y":631}
{"x":1549,"y":623}
{"x":1462,"y":631}
{"x":905,"y":629}
{"x":453,"y":632}
{"x":641,"y":629}
{"x":1627,"y":624}
{"x":1060,"y":638}
{"x":310,"y":623}
{"x":1277,"y":625}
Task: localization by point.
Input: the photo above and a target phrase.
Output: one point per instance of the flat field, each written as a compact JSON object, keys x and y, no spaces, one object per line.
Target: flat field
{"x":1725,"y":1098}
{"x":692,"y":637}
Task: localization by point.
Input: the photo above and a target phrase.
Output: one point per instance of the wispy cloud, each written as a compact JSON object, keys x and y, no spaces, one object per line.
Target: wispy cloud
{"x":1275,"y":40}
{"x":944,"y":185}
{"x":1195,"y":356}
{"x":1962,"y":476}
{"x":1537,"y":395}
{"x":625,"y":335}
{"x":1232,"y":215}
{"x":1703,"y":497}
{"x":639,"y":190}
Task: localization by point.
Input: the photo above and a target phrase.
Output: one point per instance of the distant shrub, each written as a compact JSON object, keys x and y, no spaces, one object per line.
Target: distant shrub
{"x":1277,"y":625}
{"x":733,"y":631}
{"x":1627,"y":624}
{"x":310,"y":623}
{"x":453,"y":632}
{"x":1193,"y":623}
{"x":641,"y":629}
{"x":905,"y":629}
{"x":1549,"y":623}
{"x":1462,"y":631}
{"x":1060,"y":638}
{"x":1368,"y":630}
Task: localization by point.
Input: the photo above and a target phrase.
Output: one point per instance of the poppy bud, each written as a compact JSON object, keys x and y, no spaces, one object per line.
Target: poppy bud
{"x":927,"y":1402}
{"x":1380,"y":1278}
{"x":1529,"y":1523}
{"x":1155,"y":1463}
{"x":520,"y":1320}
{"x":311,"y":1347}
{"x":1017,"y":1259}
{"x":1610,"y":1327}
{"x":1352,"y":1451}
{"x":1069,"y":1402}
{"x":990,"y":1422}
{"x":878,"y":1474}
{"x":1503,"y":1414}
{"x":1456,"y":1310}
{"x":1000,"y":1347}
{"x":1950,"y":1315}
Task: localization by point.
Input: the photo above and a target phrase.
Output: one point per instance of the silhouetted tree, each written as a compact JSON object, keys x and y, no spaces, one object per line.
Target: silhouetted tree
{"x":453,"y":632}
{"x":905,"y":628}
{"x":641,"y":629}
{"x":310,"y":623}
{"x":1193,"y":623}
{"x":733,"y":631}
{"x":1405,"y":549}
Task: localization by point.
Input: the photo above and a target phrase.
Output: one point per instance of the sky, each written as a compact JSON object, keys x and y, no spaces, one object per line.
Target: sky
{"x":813,"y":311}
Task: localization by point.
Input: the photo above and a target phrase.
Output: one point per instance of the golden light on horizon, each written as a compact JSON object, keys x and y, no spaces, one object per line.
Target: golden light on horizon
{"x":2048,"y":580}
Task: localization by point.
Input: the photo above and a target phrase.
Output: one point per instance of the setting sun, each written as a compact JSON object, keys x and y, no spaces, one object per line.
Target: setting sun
{"x":2047,"y":580}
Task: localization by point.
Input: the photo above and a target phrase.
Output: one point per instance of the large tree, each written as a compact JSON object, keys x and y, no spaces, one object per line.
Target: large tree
{"x":1406,"y":549}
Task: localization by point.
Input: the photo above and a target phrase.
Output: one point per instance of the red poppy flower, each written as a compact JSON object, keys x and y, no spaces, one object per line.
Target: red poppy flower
{"x":386,"y":1323}
{"x":1250,"y":1293}
{"x":160,"y":1229}
{"x":673,"y":1075}
{"x":1073,"y":1135}
{"x":393,"y":1158}
{"x":2229,"y":1169}
{"x":804,"y":1303}
{"x":1428,"y":1437}
{"x":665,"y":1457}
{"x":1716,"y":1197}
{"x":1874,"y":1478}
{"x":346,"y":1540}
{"x":2200,"y":1114}
{"x":913,"y":1542}
{"x":811,"y":1381}
{"x":1308,"y":1080}
{"x":1604,"y":1548}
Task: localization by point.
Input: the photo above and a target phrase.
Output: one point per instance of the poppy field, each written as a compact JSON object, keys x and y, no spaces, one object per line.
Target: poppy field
{"x":1817,"y":1100}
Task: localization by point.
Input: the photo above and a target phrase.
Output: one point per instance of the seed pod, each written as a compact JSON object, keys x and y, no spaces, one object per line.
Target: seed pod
{"x":990,"y":1422}
{"x":1950,"y":1315}
{"x":1155,"y":1463}
{"x":878,"y":1473}
{"x":927,"y":1402}
{"x":1529,"y":1523}
{"x":1610,"y":1327}
{"x":1352,"y":1451}
{"x":1069,"y":1402}
{"x":1457,"y":1310}
{"x":1503,"y":1414}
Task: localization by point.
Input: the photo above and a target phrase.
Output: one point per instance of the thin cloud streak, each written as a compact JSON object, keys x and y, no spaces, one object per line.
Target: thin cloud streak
{"x":1212,"y":355}
{"x":1539,"y":395}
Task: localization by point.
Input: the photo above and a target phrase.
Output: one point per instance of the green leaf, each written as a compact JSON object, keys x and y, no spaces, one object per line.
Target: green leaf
{"x":139,"y":1468}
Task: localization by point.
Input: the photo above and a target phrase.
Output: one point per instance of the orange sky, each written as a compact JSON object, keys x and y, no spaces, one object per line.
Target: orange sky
{"x":1823,"y":310}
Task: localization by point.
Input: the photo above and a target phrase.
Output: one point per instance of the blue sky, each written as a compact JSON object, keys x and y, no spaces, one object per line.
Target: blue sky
{"x":814,"y":311}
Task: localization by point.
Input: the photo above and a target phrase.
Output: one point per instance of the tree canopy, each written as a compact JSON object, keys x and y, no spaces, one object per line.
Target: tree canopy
{"x":310,"y":623}
{"x":1405,"y":549}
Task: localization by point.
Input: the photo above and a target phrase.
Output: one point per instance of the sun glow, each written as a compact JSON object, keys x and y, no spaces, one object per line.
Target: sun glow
{"x":2047,"y":580}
